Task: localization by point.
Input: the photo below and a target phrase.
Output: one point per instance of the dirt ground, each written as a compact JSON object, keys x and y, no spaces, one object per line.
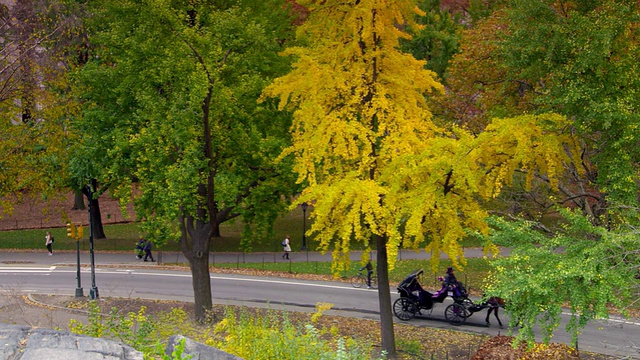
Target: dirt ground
{"x":59,"y":310}
{"x":32,"y":213}
{"x":414,"y":342}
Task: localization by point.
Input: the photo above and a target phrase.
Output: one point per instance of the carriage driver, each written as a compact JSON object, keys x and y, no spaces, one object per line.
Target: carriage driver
{"x":452,"y":283}
{"x":450,"y":278}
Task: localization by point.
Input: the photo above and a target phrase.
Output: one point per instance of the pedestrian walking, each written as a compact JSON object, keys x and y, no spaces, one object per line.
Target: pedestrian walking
{"x":147,"y":251}
{"x":286,"y":244}
{"x":49,"y":243}
{"x":140,"y":248}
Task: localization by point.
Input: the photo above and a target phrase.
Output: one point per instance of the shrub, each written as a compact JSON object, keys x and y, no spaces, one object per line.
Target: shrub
{"x":260,"y":335}
{"x":271,"y":337}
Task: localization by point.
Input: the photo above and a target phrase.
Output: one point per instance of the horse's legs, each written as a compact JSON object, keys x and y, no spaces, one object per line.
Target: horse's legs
{"x":493,"y":309}
{"x":488,"y":314}
{"x":496,"y":314}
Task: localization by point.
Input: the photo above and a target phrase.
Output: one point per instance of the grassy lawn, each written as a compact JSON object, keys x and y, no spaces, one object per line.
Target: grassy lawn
{"x":123,"y":237}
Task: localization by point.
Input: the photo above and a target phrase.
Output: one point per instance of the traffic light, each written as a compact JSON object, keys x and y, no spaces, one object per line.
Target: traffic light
{"x":71,"y":230}
{"x":80,"y":232}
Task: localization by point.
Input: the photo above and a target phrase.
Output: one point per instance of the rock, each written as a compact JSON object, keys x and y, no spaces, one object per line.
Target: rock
{"x":25,"y":343}
{"x":197,"y":350}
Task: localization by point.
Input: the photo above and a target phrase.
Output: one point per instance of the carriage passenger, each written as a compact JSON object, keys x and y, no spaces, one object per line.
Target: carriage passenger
{"x":418,"y":291}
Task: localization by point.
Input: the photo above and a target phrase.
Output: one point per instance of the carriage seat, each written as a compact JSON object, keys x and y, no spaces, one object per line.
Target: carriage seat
{"x":415,"y":292}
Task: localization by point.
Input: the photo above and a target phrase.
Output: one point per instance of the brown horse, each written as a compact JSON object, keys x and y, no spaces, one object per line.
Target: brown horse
{"x":494,"y":303}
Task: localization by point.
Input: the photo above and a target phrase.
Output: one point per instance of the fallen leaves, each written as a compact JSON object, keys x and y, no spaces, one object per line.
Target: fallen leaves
{"x":500,"y":348}
{"x":412,"y":341}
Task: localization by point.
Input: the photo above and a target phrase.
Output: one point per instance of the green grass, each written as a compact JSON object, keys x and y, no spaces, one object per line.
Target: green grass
{"x":120,"y":237}
{"x":472,"y":275}
{"x":123,"y":237}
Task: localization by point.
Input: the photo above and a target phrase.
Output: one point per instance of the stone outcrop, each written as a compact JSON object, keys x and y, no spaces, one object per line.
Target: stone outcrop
{"x":197,"y":350}
{"x":25,"y":343}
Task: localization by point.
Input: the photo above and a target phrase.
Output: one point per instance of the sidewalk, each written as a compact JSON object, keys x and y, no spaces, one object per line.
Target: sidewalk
{"x":41,"y":258}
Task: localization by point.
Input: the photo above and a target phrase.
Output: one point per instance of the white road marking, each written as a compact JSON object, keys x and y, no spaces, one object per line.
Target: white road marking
{"x":20,"y":269}
{"x":187,"y":275}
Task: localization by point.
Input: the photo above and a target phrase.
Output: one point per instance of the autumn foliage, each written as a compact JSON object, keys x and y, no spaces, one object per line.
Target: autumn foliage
{"x":501,"y":348}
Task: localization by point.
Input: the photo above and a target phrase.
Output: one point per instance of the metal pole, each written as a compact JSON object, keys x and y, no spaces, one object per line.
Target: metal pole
{"x":304,"y":225}
{"x":93,"y":293}
{"x":79,"y":290}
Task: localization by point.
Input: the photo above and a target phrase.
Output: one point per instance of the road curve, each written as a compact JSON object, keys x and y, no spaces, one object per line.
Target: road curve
{"x":614,"y":336}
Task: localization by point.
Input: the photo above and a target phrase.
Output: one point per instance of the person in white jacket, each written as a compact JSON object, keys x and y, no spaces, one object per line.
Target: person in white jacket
{"x":49,"y":243}
{"x":286,"y":243}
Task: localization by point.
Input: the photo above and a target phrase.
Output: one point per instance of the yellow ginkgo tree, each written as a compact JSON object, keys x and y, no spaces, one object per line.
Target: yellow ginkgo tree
{"x":376,"y":167}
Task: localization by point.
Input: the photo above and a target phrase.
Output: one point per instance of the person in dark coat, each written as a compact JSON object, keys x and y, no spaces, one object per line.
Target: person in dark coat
{"x":451,"y":282}
{"x":369,"y":268}
{"x":450,"y":278}
{"x":147,"y":251}
{"x":140,"y":248}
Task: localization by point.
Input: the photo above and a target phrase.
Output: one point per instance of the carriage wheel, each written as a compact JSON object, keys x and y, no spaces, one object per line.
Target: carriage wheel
{"x":455,"y":314}
{"x":404,"y":309}
{"x":468,"y":305}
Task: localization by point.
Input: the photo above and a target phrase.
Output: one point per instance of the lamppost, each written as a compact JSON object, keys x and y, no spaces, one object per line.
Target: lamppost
{"x":304,"y":206}
{"x":93,"y":292}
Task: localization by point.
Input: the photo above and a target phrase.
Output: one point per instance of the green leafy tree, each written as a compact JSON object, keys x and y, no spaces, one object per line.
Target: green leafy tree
{"x":574,"y":58}
{"x":437,"y":41}
{"x":579,"y":59}
{"x":378,"y":169}
{"x":588,"y":267}
{"x":170,"y":118}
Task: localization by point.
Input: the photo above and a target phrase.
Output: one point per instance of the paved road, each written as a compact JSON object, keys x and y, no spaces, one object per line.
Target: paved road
{"x":48,"y":274}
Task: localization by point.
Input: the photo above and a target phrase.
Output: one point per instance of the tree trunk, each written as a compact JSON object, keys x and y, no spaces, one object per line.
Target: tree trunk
{"x":384,"y":299}
{"x":201,"y":281}
{"x":78,"y":202}
{"x":98,"y":229}
{"x":197,"y":253}
{"x":94,"y":208}
{"x":216,"y":230}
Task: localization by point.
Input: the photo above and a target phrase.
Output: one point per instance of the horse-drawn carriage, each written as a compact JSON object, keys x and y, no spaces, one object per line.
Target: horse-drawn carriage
{"x":413,"y":299}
